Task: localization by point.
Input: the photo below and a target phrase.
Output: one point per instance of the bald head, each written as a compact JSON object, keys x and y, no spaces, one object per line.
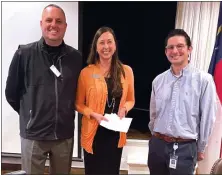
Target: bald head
{"x":53,"y":25}
{"x":55,"y":6}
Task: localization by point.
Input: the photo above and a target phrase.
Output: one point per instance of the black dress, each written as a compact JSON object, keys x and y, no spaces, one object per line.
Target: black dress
{"x":106,"y":157}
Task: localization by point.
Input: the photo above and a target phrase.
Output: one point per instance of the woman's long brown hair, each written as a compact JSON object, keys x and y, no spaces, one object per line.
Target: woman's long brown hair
{"x":116,"y":69}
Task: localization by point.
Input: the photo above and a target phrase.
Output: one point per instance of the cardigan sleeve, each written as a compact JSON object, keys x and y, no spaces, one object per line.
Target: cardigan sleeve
{"x":130,"y":98}
{"x":80,"y":102}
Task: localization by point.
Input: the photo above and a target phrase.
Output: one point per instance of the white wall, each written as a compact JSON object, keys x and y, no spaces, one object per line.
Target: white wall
{"x":21,"y":25}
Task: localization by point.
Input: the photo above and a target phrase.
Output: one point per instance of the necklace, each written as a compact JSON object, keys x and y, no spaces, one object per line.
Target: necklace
{"x":112,"y":104}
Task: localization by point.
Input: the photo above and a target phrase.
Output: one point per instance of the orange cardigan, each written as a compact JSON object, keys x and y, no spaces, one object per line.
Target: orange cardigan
{"x":91,"y":97}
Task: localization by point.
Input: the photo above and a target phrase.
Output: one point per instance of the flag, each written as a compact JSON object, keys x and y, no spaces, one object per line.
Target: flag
{"x":215,"y":68}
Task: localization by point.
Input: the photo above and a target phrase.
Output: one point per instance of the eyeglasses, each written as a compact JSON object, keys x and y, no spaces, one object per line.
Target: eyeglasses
{"x":179,"y":47}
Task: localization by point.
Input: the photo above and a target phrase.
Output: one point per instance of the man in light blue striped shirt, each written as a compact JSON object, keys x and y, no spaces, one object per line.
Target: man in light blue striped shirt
{"x":182,"y":111}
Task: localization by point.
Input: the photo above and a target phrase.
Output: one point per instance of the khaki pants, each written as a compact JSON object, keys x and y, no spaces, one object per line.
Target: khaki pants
{"x":35,"y":153}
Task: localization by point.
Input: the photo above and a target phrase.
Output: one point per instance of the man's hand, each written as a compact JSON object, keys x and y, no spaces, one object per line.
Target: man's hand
{"x":200,"y":156}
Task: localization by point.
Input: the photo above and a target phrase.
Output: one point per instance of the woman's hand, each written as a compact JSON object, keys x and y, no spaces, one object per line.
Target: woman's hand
{"x":122,"y":112}
{"x":98,"y":117}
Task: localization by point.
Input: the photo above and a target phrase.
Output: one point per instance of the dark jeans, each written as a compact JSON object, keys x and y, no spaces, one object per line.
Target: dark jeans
{"x":159,"y":157}
{"x":34,"y":155}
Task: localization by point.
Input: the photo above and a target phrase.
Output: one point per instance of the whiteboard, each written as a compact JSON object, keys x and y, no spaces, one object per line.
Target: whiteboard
{"x":21,"y":25}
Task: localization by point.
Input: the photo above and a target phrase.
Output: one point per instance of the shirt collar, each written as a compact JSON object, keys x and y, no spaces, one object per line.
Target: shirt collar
{"x":44,"y":47}
{"x":183,"y":72}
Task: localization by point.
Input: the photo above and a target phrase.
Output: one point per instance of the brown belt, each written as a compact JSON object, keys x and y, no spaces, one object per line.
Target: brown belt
{"x":171,"y":139}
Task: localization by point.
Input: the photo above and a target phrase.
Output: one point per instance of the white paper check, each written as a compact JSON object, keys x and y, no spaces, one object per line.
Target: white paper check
{"x":116,"y":124}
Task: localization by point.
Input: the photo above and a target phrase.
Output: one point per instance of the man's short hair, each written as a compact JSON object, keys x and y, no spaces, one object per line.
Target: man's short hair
{"x":179,"y":32}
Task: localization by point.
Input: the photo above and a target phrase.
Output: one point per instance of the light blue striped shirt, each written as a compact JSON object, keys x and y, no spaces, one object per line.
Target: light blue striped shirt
{"x":183,"y":106}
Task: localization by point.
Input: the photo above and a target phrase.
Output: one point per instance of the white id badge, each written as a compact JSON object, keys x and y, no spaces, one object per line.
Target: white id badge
{"x":173,"y":161}
{"x":55,"y":70}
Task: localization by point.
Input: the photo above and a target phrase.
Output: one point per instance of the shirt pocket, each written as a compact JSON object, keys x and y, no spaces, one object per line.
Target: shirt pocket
{"x":191,"y":101}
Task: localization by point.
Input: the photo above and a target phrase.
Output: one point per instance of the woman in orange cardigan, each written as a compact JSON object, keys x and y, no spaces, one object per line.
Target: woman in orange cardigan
{"x":104,"y":86}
